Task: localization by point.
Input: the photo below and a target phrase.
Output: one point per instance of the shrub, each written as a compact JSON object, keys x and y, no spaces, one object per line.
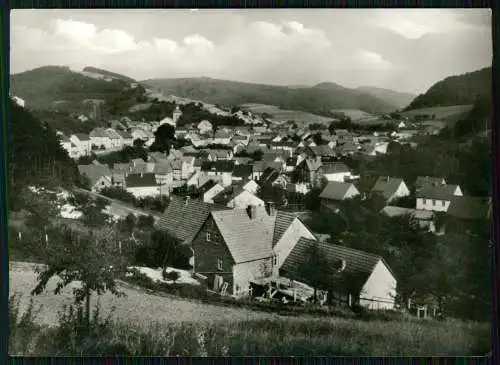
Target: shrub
{"x":21,"y":326}
{"x":171,"y":275}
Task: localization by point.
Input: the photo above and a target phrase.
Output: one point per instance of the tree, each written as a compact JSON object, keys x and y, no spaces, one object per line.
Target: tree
{"x":316,"y":270}
{"x":164,"y":138}
{"x":139,"y":143}
{"x":89,"y":256}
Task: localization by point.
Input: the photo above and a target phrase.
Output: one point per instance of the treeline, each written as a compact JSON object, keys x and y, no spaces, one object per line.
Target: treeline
{"x":194,"y":113}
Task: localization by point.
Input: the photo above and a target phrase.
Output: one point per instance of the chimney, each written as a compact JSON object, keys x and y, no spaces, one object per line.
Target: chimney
{"x":271,"y":210}
{"x":252,"y":211}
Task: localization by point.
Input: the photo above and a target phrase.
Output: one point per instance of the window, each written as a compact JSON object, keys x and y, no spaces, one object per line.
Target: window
{"x":434,"y":202}
{"x":208,"y":237}
{"x":424,"y":201}
{"x":219,"y":264}
{"x":275,"y":260}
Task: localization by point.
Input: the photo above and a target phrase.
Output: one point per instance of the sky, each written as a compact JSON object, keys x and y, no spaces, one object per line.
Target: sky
{"x":406,"y":50}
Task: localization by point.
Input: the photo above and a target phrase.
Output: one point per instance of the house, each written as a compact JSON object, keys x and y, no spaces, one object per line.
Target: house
{"x":307,"y":170}
{"x":284,"y":145}
{"x":249,"y":185}
{"x":157,"y":157}
{"x":319,"y":151}
{"x":142,"y":185}
{"x":184,"y":217}
{"x":205,"y":127}
{"x":358,"y":277}
{"x":187,"y":167}
{"x":163,"y":173}
{"x":335,"y":192}
{"x":126,"y":138}
{"x":210,"y":189}
{"x":269,"y":176}
{"x":99,"y":139}
{"x":115,"y":138}
{"x":177,"y":113}
{"x":260,"y":166}
{"x":343,"y":135}
{"x":219,"y":168}
{"x":82,"y":144}
{"x":176,"y":166}
{"x":219,"y":154}
{"x":99,"y":176}
{"x":222,"y":137}
{"x":426,"y":219}
{"x":237,"y":198}
{"x":234,"y":247}
{"x":290,"y":164}
{"x":69,"y":146}
{"x":336,"y":171}
{"x":348,"y":149}
{"x":437,"y":197}
{"x":391,"y":188}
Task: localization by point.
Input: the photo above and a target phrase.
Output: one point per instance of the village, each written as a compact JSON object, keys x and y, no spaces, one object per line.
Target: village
{"x":245,"y":246}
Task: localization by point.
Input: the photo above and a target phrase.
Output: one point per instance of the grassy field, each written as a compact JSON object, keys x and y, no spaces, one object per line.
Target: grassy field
{"x":285,"y":115}
{"x":444,"y":113}
{"x":146,"y":324}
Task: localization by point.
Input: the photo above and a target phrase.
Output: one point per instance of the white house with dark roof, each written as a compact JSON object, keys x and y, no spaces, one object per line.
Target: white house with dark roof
{"x":237,"y":197}
{"x":126,"y":138}
{"x":99,"y":176}
{"x":336,"y":171}
{"x":391,"y":188}
{"x":115,"y":138}
{"x":99,"y":137}
{"x":143,"y":185}
{"x":69,"y":146}
{"x":82,"y":143}
{"x":437,"y":197}
{"x":360,"y":277}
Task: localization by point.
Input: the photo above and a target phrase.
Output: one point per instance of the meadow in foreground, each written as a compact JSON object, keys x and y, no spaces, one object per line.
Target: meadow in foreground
{"x":288,"y":336}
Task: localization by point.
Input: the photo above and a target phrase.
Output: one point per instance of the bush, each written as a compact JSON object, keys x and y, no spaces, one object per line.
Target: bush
{"x":171,"y":275}
{"x":21,"y":326}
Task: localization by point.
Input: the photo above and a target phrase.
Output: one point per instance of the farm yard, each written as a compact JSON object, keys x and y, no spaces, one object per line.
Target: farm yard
{"x":144,"y":323}
{"x":282,"y":115}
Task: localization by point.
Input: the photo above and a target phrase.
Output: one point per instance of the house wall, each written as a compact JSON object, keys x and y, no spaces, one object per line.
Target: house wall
{"x":227,"y":178}
{"x":289,"y":239}
{"x":435,"y":205}
{"x":251,"y":186}
{"x":351,"y":192}
{"x":379,"y":291}
{"x":143,"y":191}
{"x":165,"y":179}
{"x":244,"y":199}
{"x":400,"y":192}
{"x":207,"y":253}
{"x":244,"y":272}
{"x":83,"y":147}
{"x":339,"y":176}
{"x":103,"y":182}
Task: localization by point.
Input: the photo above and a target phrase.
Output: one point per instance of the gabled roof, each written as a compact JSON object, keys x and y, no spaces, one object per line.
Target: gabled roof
{"x":261,"y":166}
{"x":162,"y":168}
{"x":441,"y":192}
{"x":335,"y":190}
{"x":140,"y":180}
{"x":228,"y":194}
{"x":183,"y":220}
{"x":334,"y":168}
{"x":322,"y":150}
{"x":469,"y":208}
{"x":387,"y":186}
{"x":112,"y":134}
{"x":247,"y":239}
{"x":94,"y":172}
{"x":243,"y":171}
{"x":269,"y":176}
{"x":82,"y":136}
{"x":359,"y":264}
{"x":283,"y":221}
{"x":124,"y":134}
{"x":312,"y":164}
{"x":98,"y":133}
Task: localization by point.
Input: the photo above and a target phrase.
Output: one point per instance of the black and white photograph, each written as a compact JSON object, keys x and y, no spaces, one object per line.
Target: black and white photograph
{"x":250,"y":182}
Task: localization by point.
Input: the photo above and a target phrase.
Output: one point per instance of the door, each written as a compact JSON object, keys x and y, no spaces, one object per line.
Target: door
{"x":218,"y":281}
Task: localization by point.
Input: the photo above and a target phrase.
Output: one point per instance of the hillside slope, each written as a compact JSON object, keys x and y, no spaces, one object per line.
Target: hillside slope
{"x":317,"y":100}
{"x":397,"y":99}
{"x":59,"y":87}
{"x":107,"y":73}
{"x":456,"y":90}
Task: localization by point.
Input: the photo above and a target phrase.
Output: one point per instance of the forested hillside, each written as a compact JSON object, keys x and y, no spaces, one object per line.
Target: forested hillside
{"x":456,"y":90}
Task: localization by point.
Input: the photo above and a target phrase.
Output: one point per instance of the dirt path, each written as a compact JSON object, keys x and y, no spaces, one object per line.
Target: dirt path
{"x":137,"y":306}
